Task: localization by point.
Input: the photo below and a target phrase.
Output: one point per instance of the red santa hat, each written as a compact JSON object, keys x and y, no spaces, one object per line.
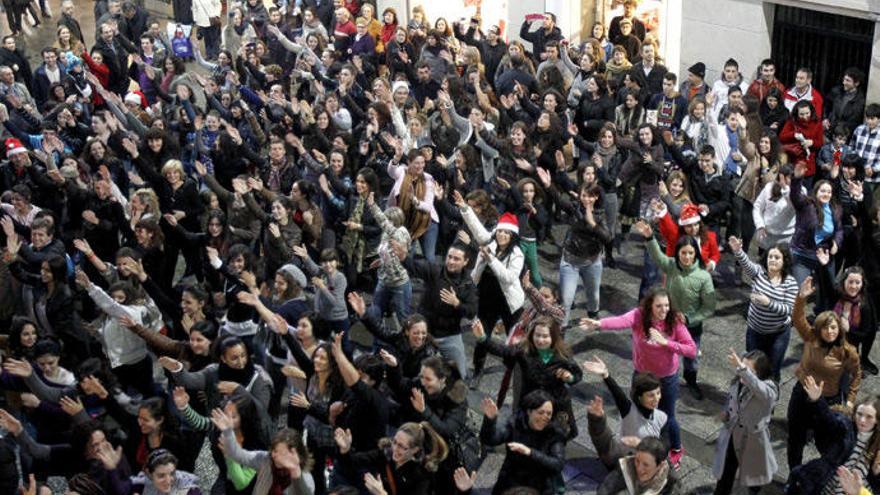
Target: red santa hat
{"x":690,"y":214}
{"x":508,"y":222}
{"x":14,"y":147}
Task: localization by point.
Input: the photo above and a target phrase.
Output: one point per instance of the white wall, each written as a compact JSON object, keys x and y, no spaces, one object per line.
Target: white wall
{"x":713,"y":31}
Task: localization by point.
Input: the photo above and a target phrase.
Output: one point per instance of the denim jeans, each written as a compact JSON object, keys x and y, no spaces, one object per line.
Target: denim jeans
{"x":650,"y":275}
{"x":399,"y":298}
{"x":452,"y":349}
{"x":590,"y":273}
{"x":696,"y":332}
{"x":428,"y":241}
{"x":773,"y":345}
{"x":668,"y":397}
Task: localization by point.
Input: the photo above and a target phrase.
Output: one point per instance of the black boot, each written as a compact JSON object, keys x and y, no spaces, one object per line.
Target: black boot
{"x":869,"y":367}
{"x":609,"y":255}
{"x":690,"y":378}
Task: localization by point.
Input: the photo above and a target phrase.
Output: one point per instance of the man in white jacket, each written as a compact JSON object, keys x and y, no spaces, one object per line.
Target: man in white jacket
{"x":206,"y":15}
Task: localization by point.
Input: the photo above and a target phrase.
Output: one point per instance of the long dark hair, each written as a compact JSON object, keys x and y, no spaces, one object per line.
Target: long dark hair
{"x":833,"y":203}
{"x":683,"y":242}
{"x":557,"y":342}
{"x":645,"y":306}
{"x":786,"y":258}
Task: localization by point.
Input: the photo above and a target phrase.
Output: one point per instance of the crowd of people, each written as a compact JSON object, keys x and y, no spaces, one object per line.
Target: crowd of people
{"x":189,"y":252}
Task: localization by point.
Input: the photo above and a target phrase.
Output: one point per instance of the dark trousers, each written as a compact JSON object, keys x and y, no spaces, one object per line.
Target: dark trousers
{"x":137,"y":376}
{"x":800,"y":423}
{"x":728,"y":477}
{"x":489,"y":318}
{"x":211,"y":35}
{"x":773,"y":345}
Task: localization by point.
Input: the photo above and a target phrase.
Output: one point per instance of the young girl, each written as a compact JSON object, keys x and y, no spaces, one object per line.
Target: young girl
{"x":546,"y":364}
{"x":330,"y":286}
{"x":659,"y":336}
{"x":126,"y":351}
{"x":394,"y":288}
{"x":849,"y":447}
{"x":854,"y":308}
{"x":690,"y":291}
{"x":826,"y":356}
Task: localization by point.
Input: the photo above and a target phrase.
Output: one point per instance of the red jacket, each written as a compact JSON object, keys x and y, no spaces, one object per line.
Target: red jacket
{"x":811,"y":130}
{"x":102,"y":72}
{"x":671,"y":232}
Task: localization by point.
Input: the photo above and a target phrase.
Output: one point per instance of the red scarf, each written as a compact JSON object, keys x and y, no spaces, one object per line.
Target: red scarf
{"x":388,"y":31}
{"x":855,"y":310}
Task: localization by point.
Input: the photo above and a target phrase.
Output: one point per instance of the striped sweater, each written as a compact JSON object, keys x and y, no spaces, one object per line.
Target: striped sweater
{"x":776,"y":316}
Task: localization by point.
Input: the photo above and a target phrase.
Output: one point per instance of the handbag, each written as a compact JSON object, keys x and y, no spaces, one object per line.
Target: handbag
{"x":465,"y":450}
{"x":215,"y":20}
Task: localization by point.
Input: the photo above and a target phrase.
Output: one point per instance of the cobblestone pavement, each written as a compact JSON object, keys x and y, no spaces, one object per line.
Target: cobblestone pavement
{"x":619,"y":293}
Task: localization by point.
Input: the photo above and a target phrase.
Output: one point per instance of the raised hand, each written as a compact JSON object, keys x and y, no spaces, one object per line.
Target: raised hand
{"x":807,"y":288}
{"x":170,"y":364}
{"x":109,"y":456}
{"x":181,"y":398}
{"x":734,"y":359}
{"x":292,"y":371}
{"x":18,"y":367}
{"x":477,"y":329}
{"x":643,"y":229}
{"x":343,"y":440}
{"x":463,"y":480}
{"x":10,"y":423}
{"x":418,"y":400}
{"x":596,"y":407}
{"x":357,"y":303}
{"x":221,"y":420}
{"x":70,"y":406}
{"x":813,"y":389}
{"x":735,"y":244}
{"x":490,"y":409}
{"x":373,"y":484}
{"x":596,"y":366}
{"x":388,"y":358}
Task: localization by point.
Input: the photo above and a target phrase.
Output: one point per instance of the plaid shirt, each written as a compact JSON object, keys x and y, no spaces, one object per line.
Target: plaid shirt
{"x":866,"y":143}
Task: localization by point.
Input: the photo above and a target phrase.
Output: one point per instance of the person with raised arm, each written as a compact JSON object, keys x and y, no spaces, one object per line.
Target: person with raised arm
{"x":659,"y":337}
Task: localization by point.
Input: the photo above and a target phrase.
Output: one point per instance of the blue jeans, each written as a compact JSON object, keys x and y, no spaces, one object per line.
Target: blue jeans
{"x":696,"y":332}
{"x":590,"y":273}
{"x":398,"y":298}
{"x":452,"y":349}
{"x":773,"y":345}
{"x":428,"y":241}
{"x":650,"y":275}
{"x":668,"y":397}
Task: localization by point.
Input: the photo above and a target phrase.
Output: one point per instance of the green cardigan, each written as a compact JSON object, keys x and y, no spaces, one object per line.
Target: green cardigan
{"x":690,"y":290}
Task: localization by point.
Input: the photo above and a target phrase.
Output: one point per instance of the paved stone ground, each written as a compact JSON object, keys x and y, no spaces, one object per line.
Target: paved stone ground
{"x":619,"y":293}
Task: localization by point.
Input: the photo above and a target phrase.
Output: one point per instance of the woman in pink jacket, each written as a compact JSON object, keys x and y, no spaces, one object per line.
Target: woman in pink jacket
{"x":659,"y":336}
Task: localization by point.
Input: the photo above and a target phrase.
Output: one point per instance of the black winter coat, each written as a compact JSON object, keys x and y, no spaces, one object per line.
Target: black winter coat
{"x":539,"y":468}
{"x":443,"y":320}
{"x":538,"y":375}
